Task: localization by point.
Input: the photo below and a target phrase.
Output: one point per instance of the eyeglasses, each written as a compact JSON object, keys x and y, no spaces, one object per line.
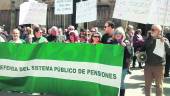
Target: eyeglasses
{"x":15,"y":33}
{"x":153,"y":30}
{"x":96,"y":36}
{"x":71,"y":29}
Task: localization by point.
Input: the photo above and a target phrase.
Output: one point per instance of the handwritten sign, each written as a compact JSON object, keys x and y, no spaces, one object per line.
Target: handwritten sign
{"x":143,"y":11}
{"x":86,"y":11}
{"x":160,"y":13}
{"x":159,"y":48}
{"x":132,"y":10}
{"x":63,"y":6}
{"x":33,"y":13}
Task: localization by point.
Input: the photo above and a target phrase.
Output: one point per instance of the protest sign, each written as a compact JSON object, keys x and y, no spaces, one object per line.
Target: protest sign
{"x":143,"y":11}
{"x":63,"y":7}
{"x":33,"y":13}
{"x":86,"y":11}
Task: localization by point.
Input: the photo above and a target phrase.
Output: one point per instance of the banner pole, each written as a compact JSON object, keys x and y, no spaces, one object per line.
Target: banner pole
{"x":166,"y":12}
{"x":64,"y":22}
{"x":126,"y":25}
{"x":87,"y":25}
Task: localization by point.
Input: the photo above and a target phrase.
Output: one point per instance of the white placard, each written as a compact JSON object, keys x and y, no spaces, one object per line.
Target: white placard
{"x":160,"y":13}
{"x":167,"y":17}
{"x":132,"y":10}
{"x":63,"y":7}
{"x":33,"y":13}
{"x":143,"y":11}
{"x":86,"y":11}
{"x":159,"y":48}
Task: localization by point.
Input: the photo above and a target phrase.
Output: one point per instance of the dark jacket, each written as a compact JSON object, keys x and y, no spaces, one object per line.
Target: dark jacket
{"x":127,"y":56}
{"x":137,"y":43}
{"x":126,"y":60}
{"x":51,"y":38}
{"x":167,"y":55}
{"x":106,"y":39}
{"x":153,"y":59}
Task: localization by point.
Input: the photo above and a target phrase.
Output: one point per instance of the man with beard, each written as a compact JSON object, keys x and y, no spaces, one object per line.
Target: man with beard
{"x":156,"y":48}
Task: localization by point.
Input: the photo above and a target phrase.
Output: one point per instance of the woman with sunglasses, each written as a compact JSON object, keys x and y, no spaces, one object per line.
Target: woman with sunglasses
{"x":95,"y":38}
{"x":73,"y":37}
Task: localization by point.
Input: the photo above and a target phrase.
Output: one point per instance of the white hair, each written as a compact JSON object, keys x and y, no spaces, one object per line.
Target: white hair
{"x":159,"y":27}
{"x":120,"y":30}
{"x":15,"y":30}
{"x":54,"y":28}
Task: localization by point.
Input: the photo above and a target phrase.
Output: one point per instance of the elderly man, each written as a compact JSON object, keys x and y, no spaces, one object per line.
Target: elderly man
{"x":156,"y":48}
{"x":54,"y":32}
{"x":56,"y":35}
{"x":16,"y":37}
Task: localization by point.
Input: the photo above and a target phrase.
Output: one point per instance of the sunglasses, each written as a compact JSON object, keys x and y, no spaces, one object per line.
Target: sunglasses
{"x":96,"y":36}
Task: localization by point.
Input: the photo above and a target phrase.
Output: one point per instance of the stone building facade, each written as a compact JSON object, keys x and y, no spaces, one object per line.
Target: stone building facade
{"x":9,"y":13}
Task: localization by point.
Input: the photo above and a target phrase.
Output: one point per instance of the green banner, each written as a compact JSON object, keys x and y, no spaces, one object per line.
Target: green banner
{"x":61,"y":69}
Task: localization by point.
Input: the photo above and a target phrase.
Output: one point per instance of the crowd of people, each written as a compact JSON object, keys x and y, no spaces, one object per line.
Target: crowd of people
{"x":37,"y":34}
{"x":131,"y":39}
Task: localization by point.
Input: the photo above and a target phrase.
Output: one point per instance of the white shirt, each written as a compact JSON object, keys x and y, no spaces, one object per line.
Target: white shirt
{"x":1,"y":39}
